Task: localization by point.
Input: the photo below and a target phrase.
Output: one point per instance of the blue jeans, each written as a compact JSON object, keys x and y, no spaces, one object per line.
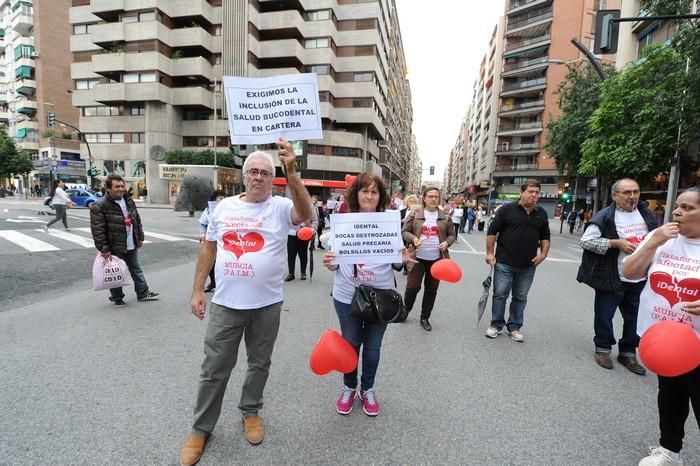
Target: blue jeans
{"x":140,"y":286}
{"x":470,"y":225}
{"x":357,"y":333}
{"x":505,"y":280}
{"x":606,"y":302}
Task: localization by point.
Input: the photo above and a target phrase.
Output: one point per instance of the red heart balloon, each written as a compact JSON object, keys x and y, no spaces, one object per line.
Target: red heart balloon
{"x":305,"y":233}
{"x":349,"y":179}
{"x":670,"y":348}
{"x":447,"y":270}
{"x":332,"y":352}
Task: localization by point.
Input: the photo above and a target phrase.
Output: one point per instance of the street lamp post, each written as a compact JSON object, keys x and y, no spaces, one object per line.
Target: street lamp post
{"x":82,"y":137}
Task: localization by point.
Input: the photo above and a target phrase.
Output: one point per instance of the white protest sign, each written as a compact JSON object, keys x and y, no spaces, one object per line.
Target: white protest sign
{"x":366,"y":238}
{"x":261,"y":110}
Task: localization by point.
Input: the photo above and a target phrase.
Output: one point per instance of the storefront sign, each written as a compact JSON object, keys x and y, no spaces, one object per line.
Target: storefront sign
{"x":172,"y":172}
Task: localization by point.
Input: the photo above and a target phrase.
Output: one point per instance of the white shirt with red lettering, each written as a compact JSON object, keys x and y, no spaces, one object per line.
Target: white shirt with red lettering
{"x":673,"y":279}
{"x":430,"y":238}
{"x":129,"y":224}
{"x":250,"y":242}
{"x":379,"y":276}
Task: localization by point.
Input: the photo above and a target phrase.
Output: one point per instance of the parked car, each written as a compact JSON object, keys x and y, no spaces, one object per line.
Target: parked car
{"x":82,"y":197}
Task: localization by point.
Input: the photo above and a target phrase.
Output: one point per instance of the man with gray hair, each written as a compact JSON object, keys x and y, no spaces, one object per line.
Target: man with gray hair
{"x":613,"y":233}
{"x":247,"y":235}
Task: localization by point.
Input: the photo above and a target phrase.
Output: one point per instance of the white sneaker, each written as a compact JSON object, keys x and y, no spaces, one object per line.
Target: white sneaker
{"x":45,"y":228}
{"x":660,"y":456}
{"x":492,"y":332}
{"x":515,"y":335}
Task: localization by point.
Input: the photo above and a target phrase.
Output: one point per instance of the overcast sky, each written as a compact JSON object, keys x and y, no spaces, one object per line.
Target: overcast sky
{"x":444,"y":42}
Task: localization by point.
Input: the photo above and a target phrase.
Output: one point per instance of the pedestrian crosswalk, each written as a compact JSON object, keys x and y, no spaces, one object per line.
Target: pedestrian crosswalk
{"x":37,"y":240}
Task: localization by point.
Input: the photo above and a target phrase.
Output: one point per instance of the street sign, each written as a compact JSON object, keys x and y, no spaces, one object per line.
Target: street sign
{"x":607,"y":31}
{"x":589,"y":200}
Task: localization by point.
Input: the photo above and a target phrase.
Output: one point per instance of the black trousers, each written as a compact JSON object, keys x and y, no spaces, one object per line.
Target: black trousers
{"x":674,"y":395}
{"x":297,"y":247}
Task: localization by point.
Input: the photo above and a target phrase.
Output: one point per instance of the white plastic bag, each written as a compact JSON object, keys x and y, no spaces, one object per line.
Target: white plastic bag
{"x":108,"y":274}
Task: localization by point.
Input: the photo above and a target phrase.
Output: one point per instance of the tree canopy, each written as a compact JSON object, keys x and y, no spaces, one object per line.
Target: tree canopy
{"x":205,"y":157}
{"x":12,"y":160}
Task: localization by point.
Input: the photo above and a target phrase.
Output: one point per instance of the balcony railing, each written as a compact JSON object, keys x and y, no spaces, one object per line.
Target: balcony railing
{"x":518,"y":167}
{"x":526,"y":42}
{"x":520,"y":126}
{"x":507,"y":147}
{"x":531,"y":17}
{"x":524,"y":84}
{"x":524,"y":63}
{"x":522,"y":105}
{"x":518,"y":3}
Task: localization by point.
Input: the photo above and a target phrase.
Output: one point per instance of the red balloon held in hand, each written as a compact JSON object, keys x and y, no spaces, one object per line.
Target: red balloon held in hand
{"x":670,"y":349}
{"x":332,"y":352}
{"x":305,"y":233}
{"x":446,"y":270}
{"x":349,"y":179}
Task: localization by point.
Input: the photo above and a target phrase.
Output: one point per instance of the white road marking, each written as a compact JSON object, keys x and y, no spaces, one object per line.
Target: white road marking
{"x":87,"y":230}
{"x":64,"y":235}
{"x":5,"y":210}
{"x":467,"y":243}
{"x":25,"y":220}
{"x":162,"y":236}
{"x":26,"y":242}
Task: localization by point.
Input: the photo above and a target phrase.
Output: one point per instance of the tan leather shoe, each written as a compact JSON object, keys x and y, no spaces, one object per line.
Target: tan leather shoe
{"x":254,"y":430}
{"x":193,"y":449}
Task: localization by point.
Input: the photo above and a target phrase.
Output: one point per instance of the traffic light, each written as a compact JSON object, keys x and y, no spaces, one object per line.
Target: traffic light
{"x":51,"y":119}
{"x":432,"y":169}
{"x":607,"y":31}
{"x":566,"y":196}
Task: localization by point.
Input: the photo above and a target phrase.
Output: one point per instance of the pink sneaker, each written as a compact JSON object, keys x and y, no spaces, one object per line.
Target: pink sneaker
{"x":369,"y":402}
{"x":347,"y":397}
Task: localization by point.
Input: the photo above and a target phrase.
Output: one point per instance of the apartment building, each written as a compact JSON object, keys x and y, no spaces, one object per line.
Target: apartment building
{"x":34,"y":79}
{"x":415,"y":169}
{"x":147,"y":79}
{"x":634,"y":37}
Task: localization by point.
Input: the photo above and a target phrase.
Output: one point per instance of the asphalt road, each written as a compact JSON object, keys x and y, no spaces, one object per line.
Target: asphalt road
{"x":84,"y":383}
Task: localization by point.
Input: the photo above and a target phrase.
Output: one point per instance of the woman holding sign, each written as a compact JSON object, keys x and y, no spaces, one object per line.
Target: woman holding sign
{"x":669,"y":256}
{"x":366,"y":194}
{"x":431,"y":231}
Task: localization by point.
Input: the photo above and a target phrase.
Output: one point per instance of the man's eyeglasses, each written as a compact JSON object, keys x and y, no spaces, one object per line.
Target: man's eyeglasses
{"x":254,"y":172}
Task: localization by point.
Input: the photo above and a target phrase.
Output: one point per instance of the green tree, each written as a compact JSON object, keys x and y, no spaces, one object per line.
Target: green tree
{"x":194,"y":157}
{"x":12,"y":160}
{"x":579,"y":96}
{"x":634,"y":129}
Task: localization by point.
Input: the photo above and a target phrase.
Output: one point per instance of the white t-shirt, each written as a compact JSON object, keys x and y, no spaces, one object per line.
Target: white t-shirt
{"x":60,"y":197}
{"x":674,"y":278}
{"x":457,"y":215}
{"x":250,"y":242}
{"x":129,"y":224}
{"x":380,"y":276}
{"x":429,"y":249}
{"x":630,"y":226}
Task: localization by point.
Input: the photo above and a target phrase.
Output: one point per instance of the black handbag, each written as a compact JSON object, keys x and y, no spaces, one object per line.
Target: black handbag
{"x":372,"y":305}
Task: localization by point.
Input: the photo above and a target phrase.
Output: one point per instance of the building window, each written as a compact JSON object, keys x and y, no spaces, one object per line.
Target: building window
{"x":344,"y":151}
{"x":80,"y":29}
{"x":137,"y":110}
{"x":363,"y":77}
{"x":196,"y":141}
{"x":320,"y":15}
{"x":104,"y":138}
{"x":130,"y":19}
{"x":316,"y":43}
{"x":217,"y":30}
{"x":143,"y":77}
{"x":195,"y":114}
{"x":138,"y":138}
{"x":118,"y":138}
{"x":100,"y":111}
{"x":318,"y":69}
{"x":24,"y":51}
{"x":147,"y":16}
{"x":83,"y":84}
{"x":362,"y":103}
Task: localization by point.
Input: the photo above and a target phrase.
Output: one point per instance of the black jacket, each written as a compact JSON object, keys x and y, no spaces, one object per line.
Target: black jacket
{"x":108,"y":228}
{"x":599,"y":271}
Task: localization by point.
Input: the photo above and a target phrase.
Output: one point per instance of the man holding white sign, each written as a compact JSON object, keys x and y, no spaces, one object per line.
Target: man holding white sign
{"x":261,"y":110}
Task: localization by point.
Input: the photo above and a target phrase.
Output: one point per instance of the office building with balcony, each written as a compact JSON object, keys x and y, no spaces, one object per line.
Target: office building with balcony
{"x":147,"y":79}
{"x":34,"y":79}
{"x":537,"y":31}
